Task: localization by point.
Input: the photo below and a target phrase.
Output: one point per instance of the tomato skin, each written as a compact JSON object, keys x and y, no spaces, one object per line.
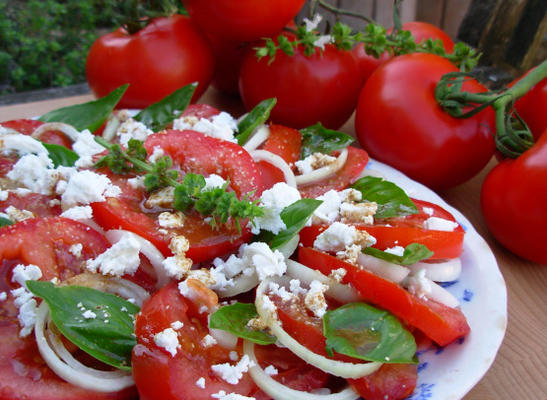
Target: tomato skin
{"x":390,"y":382}
{"x":399,"y":122}
{"x":327,"y":95}
{"x":440,"y":323}
{"x":513,"y":199}
{"x":424,"y":30}
{"x":242,"y":20}
{"x":170,"y":49}
{"x":531,"y":107}
{"x":228,"y":56}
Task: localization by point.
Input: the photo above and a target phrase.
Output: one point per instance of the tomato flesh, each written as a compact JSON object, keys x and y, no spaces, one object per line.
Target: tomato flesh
{"x":28,"y":126}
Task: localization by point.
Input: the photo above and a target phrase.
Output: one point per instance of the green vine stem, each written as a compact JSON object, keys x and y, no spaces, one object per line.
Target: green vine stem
{"x":340,"y":11}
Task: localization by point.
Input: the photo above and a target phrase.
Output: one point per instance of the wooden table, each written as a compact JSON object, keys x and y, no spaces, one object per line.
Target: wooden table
{"x":520,"y":369}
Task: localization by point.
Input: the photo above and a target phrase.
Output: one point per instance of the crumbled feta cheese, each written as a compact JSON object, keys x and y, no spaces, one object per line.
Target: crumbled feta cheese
{"x":418,"y":284}
{"x":35,"y":173}
{"x":269,"y":306}
{"x":273,"y":201}
{"x":86,"y":147}
{"x":177,"y":325}
{"x":294,"y":286}
{"x":201,"y":383}
{"x":339,"y":236}
{"x":265,"y":261}
{"x":233,"y":373}
{"x":396,"y":250}
{"x":88,"y":314}
{"x":22,"y":273}
{"x":167,"y":340}
{"x":27,"y":310}
{"x":440,"y":224}
{"x":162,"y":198}
{"x":315,"y":298}
{"x":120,"y":259}
{"x":222,"y":395}
{"x":178,"y":265}
{"x":85,"y":187}
{"x":3,"y":194}
{"x":213,"y":181}
{"x":233,"y":355}
{"x":76,"y":250}
{"x":350,"y":254}
{"x":221,"y":126}
{"x":358,"y":212}
{"x":22,"y":144}
{"x":271,"y":370}
{"x":338,"y":274}
{"x":16,"y":215}
{"x":157,"y":153}
{"x":328,"y":211}
{"x":137,"y":182}
{"x":132,"y":129}
{"x":208,"y":341}
{"x":171,"y":219}
{"x":3,"y":296}
{"x":78,"y":213}
{"x":314,"y":161}
{"x":281,"y":291}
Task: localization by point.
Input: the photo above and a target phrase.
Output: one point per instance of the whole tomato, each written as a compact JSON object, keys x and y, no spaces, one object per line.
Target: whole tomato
{"x":228,"y":55}
{"x":322,"y":87}
{"x":242,"y":20}
{"x":513,"y":202}
{"x":165,"y":55}
{"x":399,"y":122}
{"x":532,"y":106}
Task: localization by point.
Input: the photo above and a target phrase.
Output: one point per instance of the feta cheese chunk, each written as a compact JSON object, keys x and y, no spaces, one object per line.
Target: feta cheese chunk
{"x":233,"y":373}
{"x":339,"y":236}
{"x":132,"y":129}
{"x":168,"y":340}
{"x":85,"y":187}
{"x":440,"y":224}
{"x":221,"y":126}
{"x":120,"y":259}
{"x":314,"y":161}
{"x":273,"y":201}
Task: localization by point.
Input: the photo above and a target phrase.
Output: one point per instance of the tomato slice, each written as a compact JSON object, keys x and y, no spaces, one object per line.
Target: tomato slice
{"x":44,"y":242}
{"x":200,"y":111}
{"x":39,"y":204}
{"x":348,"y":174}
{"x":27,"y":126}
{"x":390,"y":382}
{"x":440,"y":323}
{"x":157,"y":374}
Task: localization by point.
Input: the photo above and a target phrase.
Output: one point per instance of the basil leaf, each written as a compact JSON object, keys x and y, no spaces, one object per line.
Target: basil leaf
{"x":362,"y":331}
{"x":413,"y":253}
{"x":160,"y":114}
{"x":106,"y":333}
{"x":60,"y":155}
{"x":255,"y":117}
{"x":5,"y":222}
{"x":234,"y":319}
{"x":90,"y":115}
{"x":318,"y":139}
{"x":391,"y":199}
{"x":295,"y":217}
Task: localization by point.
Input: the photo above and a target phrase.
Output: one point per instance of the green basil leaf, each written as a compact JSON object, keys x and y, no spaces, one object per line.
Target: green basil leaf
{"x":107,"y":334}
{"x":160,"y":114}
{"x":90,"y":115}
{"x":413,"y":253}
{"x":318,"y":139}
{"x":255,"y":117}
{"x":234,"y":319}
{"x":391,"y":199}
{"x":5,"y":222}
{"x":362,"y":331}
{"x":295,"y":217}
{"x":60,"y":155}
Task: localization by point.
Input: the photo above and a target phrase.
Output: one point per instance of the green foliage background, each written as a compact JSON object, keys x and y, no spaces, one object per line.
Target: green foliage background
{"x":44,"y":43}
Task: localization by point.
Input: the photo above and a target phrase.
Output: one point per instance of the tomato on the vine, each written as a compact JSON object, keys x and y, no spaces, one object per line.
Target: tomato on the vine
{"x":242,"y":20}
{"x":167,"y":54}
{"x":531,"y":108}
{"x":513,"y":199}
{"x":322,"y":87}
{"x":399,"y":122}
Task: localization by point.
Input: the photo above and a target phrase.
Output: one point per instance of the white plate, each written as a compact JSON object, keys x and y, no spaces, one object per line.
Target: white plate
{"x":449,"y":373}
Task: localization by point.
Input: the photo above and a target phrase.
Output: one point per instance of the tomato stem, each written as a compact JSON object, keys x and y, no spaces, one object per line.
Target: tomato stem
{"x":339,"y":11}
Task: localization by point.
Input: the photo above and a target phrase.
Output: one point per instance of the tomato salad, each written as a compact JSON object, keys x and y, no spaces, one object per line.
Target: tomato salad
{"x":179,"y":253}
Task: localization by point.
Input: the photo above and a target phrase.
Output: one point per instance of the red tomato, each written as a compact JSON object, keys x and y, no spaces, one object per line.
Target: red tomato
{"x":402,"y":231}
{"x":200,"y":111}
{"x":154,"y":368}
{"x":399,"y":122}
{"x":390,"y":382}
{"x":531,"y":107}
{"x":367,"y":63}
{"x":513,"y":199}
{"x":228,"y":55}
{"x":43,"y":242}
{"x":28,"y":126}
{"x":242,"y":20}
{"x":171,"y":50}
{"x":348,"y":174}
{"x":440,"y":323}
{"x":39,"y":204}
{"x":323,"y":87}
{"x":423,"y":31}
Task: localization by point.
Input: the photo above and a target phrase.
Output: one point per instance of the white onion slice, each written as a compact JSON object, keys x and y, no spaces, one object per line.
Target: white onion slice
{"x":68,"y":373}
{"x":446,"y":271}
{"x":338,"y":291}
{"x":147,"y":249}
{"x":333,"y":367}
{"x":390,"y":271}
{"x":112,"y":125}
{"x":224,"y":338}
{"x":258,"y":137}
{"x":288,"y":248}
{"x":323,"y":172}
{"x":440,"y":294}
{"x":276,"y":161}
{"x":279,"y":391}
{"x":67,"y":129}
{"x":242,"y":284}
{"x":10,"y":131}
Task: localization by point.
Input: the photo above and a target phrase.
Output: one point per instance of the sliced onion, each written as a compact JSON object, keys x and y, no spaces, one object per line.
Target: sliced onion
{"x":10,"y":131}
{"x":333,"y":367}
{"x":279,"y":391}
{"x":390,"y":271}
{"x":276,"y":161}
{"x":258,"y":137}
{"x":242,"y":284}
{"x":112,"y":125}
{"x":446,"y":271}
{"x":147,"y":249}
{"x":224,"y":338}
{"x":338,"y":291}
{"x":67,"y":129}
{"x":288,"y":248}
{"x":79,"y":376}
{"x":323,"y":172}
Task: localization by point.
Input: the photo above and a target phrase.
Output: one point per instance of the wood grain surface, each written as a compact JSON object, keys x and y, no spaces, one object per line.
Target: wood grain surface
{"x":520,"y":369}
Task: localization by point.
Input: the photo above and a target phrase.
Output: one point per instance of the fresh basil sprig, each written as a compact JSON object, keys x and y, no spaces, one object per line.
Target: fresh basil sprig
{"x":318,"y":139}
{"x":391,"y":199}
{"x":5,"y":222}
{"x":101,"y":324}
{"x":234,"y":319}
{"x":60,"y":155}
{"x":160,"y":114}
{"x":413,"y":253}
{"x":254,"y":118}
{"x":90,"y":115}
{"x":362,"y":331}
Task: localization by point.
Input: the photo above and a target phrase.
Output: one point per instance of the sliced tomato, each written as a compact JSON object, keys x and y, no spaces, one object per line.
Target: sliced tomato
{"x":348,"y":174}
{"x":440,"y":323}
{"x":200,"y":111}
{"x":44,"y":242}
{"x":39,"y":204}
{"x":158,"y":374}
{"x":390,"y":382}
{"x":28,"y":126}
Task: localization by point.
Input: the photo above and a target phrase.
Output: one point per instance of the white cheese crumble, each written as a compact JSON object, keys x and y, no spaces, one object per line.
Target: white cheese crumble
{"x":22,"y":144}
{"x":168,"y":340}
{"x":171,"y":219}
{"x":273,"y":201}
{"x":418,"y":284}
{"x":208,"y":341}
{"x":76,"y":250}
{"x":78,"y":213}
{"x":221,"y":126}
{"x":120,"y":259}
{"x":178,"y":265}
{"x":132,"y":129}
{"x":16,"y":215}
{"x":233,"y":373}
{"x":85,"y":187}
{"x":222,"y":395}
{"x":271,"y":370}
{"x":315,"y":298}
{"x":201,"y":383}
{"x":86,"y":147}
{"x":177,"y":325}
{"x":22,"y":273}
{"x":265,"y":261}
{"x":24,"y":300}
{"x":213,"y":181}
{"x":3,"y":296}
{"x":314,"y":161}
{"x":396,"y":250}
{"x":339,"y":236}
{"x":440,"y":224}
{"x":4,"y":195}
